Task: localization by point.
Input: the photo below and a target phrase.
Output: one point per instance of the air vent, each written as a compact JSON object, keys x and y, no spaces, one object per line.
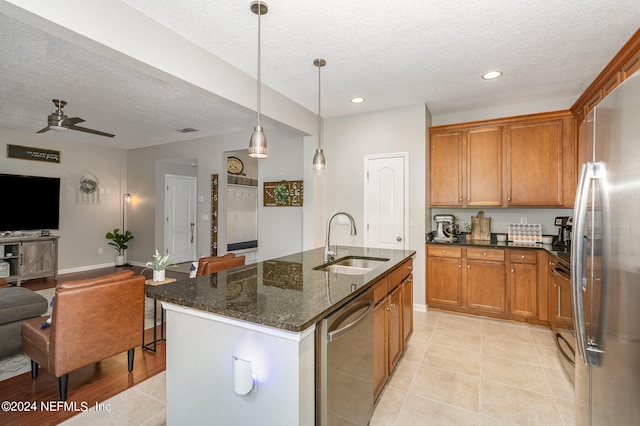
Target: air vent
{"x":188,"y":130}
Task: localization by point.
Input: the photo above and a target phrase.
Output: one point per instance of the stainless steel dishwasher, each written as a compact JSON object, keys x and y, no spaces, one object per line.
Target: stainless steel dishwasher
{"x":344,"y":364}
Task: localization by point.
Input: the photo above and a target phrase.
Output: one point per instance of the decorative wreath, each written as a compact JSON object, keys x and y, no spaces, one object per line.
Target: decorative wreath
{"x":88,"y":186}
{"x":281,"y":194}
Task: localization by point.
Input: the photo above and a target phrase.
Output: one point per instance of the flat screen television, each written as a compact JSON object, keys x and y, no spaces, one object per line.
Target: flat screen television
{"x":29,"y":203}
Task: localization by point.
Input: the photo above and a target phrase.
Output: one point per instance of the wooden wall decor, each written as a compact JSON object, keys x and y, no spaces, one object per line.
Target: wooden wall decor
{"x":214,"y":214}
{"x":286,"y":193}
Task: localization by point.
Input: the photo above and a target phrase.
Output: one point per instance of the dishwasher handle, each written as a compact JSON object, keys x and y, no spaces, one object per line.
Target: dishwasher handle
{"x":366,"y":307}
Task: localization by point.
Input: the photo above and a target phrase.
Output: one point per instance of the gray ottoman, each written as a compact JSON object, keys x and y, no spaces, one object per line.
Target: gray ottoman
{"x":17,"y":304}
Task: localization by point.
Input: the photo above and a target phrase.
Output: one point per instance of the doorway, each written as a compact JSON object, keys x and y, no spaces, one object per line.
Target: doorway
{"x":386,"y":197}
{"x":180,"y":218}
{"x":242,"y":205}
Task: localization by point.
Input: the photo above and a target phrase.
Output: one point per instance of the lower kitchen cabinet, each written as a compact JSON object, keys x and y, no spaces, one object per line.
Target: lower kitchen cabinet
{"x":444,"y":275}
{"x":394,"y":326}
{"x":407,"y":309}
{"x":495,"y":282}
{"x":380,"y":352}
{"x":485,"y":280}
{"x":523,"y":283}
{"x":392,"y":322}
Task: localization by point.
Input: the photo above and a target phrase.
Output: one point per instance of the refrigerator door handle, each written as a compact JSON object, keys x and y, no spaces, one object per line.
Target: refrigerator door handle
{"x":579,"y":250}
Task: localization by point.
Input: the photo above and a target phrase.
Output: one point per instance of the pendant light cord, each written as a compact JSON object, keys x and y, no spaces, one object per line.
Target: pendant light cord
{"x":259,"y":71}
{"x":319,"y":111}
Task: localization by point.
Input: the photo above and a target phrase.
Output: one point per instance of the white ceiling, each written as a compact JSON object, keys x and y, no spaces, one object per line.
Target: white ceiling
{"x":393,"y":54}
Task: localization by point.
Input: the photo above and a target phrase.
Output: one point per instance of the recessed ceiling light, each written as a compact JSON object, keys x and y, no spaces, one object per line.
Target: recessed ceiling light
{"x":357,"y":100}
{"x":491,"y":75}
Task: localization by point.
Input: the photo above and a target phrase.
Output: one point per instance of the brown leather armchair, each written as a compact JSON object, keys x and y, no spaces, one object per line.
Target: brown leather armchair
{"x":223,"y":265}
{"x":92,"y":320}
{"x":211,"y":259}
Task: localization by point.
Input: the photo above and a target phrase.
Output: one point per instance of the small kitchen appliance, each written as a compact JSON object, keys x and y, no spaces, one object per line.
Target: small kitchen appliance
{"x":564,"y":224}
{"x":446,"y":231}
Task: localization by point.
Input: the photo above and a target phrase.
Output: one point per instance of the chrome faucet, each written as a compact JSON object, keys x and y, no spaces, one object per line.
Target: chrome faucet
{"x":328,"y":253}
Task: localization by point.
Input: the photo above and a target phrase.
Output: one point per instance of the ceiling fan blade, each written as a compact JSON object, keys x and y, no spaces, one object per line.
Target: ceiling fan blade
{"x":43,"y":130}
{"x":95,"y":132}
{"x":72,"y":121}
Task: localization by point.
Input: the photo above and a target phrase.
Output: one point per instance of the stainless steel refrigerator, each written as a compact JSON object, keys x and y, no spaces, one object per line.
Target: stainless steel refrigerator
{"x":605,"y":262}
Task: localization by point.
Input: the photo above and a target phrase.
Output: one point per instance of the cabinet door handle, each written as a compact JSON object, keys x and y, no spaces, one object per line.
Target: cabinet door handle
{"x":459,"y":265}
{"x":512,"y":270}
{"x":522,"y":257}
{"x":509,"y":199}
{"x":468,"y":198}
{"x":468,"y":266}
{"x":484,"y":254}
{"x":444,"y":251}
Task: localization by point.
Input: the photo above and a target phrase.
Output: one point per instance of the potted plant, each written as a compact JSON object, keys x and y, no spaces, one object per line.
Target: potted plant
{"x":119,"y":241}
{"x":159,"y":264}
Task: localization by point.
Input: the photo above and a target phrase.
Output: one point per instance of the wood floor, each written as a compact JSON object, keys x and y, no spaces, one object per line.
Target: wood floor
{"x":87,"y":386}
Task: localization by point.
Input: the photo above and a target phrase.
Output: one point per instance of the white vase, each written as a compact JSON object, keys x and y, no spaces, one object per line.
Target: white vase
{"x":158,"y":275}
{"x":120,"y":260}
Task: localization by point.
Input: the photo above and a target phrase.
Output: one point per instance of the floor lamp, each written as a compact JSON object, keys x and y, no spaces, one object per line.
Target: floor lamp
{"x":126,"y":199}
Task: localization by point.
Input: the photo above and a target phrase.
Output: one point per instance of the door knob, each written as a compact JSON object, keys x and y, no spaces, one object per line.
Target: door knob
{"x":398,"y":238}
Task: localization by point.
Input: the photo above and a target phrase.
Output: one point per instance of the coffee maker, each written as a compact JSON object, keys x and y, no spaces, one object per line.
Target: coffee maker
{"x":446,"y":230}
{"x":564,"y":223}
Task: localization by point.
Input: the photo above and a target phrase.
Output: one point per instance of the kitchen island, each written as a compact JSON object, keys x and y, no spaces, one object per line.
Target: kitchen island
{"x":265,"y":313}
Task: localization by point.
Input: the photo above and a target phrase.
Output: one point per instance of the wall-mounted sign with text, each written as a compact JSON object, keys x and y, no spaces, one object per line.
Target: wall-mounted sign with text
{"x":34,"y":154}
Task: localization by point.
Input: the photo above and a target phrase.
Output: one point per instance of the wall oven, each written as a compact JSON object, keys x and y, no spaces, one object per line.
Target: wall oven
{"x":565,"y":334}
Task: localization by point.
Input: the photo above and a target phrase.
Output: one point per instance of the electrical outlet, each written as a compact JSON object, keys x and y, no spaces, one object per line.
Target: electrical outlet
{"x":100,"y":250}
{"x":523,"y":220}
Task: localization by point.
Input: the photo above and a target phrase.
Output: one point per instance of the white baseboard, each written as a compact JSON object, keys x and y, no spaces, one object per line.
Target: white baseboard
{"x":85,"y":268}
{"x":420,"y":307}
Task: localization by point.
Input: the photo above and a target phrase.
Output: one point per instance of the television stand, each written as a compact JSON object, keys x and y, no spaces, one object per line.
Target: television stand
{"x":25,"y":258}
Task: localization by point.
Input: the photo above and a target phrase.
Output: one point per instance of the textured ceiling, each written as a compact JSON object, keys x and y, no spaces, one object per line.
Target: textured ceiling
{"x":393,"y":54}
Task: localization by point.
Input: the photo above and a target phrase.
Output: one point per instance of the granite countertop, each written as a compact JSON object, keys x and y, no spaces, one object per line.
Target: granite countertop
{"x":285,"y":293}
{"x":493,"y":243}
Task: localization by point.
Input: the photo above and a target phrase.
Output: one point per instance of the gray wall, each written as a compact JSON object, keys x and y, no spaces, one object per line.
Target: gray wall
{"x":347,"y":140}
{"x":82,"y":227}
{"x":279,"y":229}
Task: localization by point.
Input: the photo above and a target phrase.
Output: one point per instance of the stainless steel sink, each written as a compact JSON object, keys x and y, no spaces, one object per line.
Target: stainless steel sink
{"x":352,"y":265}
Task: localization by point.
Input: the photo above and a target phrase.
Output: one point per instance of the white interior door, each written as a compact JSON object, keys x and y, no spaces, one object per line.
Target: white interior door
{"x":386,"y":201}
{"x":180,"y":218}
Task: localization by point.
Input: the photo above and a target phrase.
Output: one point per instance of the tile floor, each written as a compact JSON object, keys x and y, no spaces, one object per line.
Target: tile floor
{"x":457,"y":370}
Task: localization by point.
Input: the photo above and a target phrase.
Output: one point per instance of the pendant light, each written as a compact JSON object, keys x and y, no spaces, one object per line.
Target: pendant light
{"x":319,"y":163}
{"x":258,"y":141}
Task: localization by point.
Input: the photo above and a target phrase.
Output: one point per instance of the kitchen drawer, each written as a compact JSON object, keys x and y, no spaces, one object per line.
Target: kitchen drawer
{"x":395,"y":278}
{"x":444,"y":251}
{"x":523,"y":256}
{"x":407,"y":269}
{"x":495,"y":255}
{"x":381,"y":289}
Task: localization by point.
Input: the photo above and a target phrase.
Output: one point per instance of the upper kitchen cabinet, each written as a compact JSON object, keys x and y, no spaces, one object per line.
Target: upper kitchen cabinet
{"x":536,"y":164}
{"x":466,"y":168}
{"x":445,"y":165}
{"x":523,"y":161}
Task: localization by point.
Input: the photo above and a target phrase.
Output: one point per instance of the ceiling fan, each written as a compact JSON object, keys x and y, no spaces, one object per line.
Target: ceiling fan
{"x":58,"y":121}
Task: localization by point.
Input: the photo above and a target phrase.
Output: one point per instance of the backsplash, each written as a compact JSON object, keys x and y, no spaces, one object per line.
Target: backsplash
{"x":501,"y":218}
